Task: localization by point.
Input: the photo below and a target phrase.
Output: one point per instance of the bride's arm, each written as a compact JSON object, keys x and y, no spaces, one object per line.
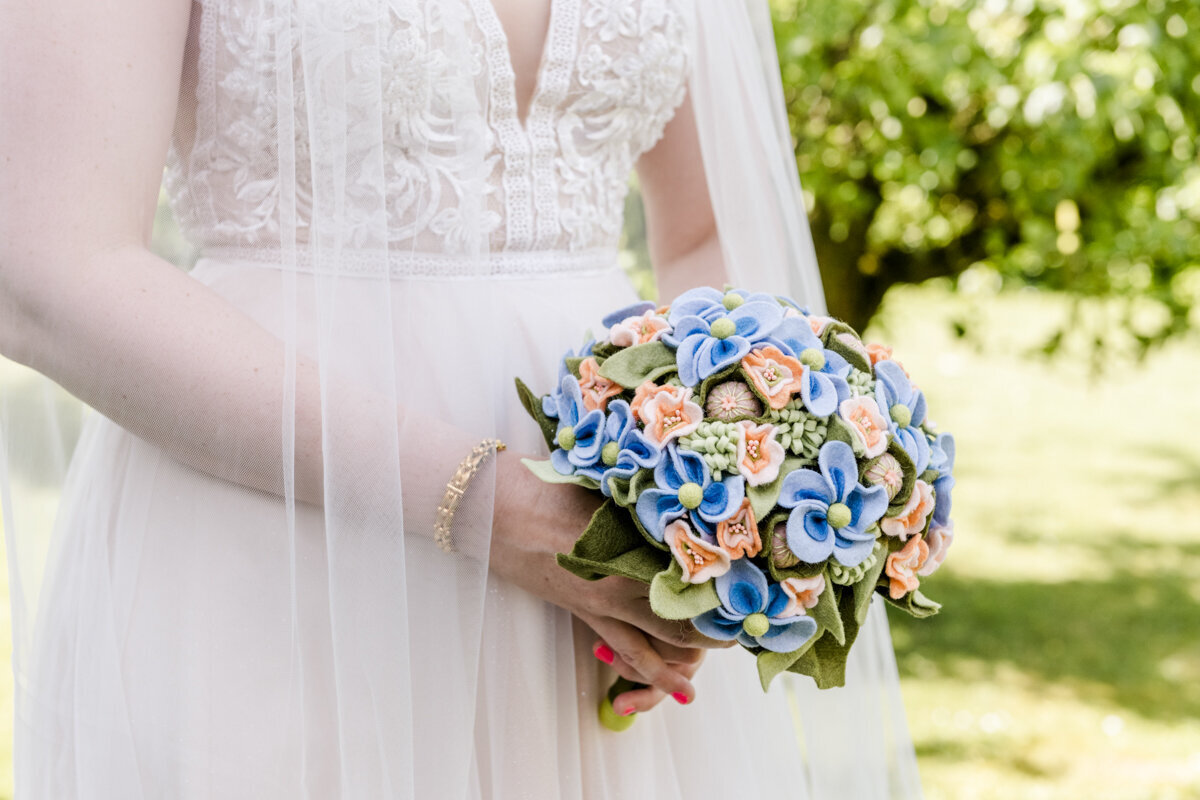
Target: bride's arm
{"x":89,"y":97}
{"x":680,"y":229}
{"x":87,"y":101}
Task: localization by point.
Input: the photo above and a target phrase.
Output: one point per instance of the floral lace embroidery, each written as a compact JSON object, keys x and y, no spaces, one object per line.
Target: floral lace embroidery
{"x":613,"y":73}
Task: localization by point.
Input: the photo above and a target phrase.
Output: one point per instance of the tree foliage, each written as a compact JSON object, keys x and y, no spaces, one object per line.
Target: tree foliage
{"x":1043,"y":142}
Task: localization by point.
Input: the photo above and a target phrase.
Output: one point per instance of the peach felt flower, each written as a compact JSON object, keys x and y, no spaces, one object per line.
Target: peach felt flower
{"x":903,"y":566}
{"x":818,"y":323}
{"x":803,"y":594}
{"x":938,"y":539}
{"x":911,"y":519}
{"x":596,"y":390}
{"x":867,"y":423}
{"x":776,"y":376}
{"x":738,"y":535}
{"x":643,"y":393}
{"x":647,"y":327}
{"x":699,"y":559}
{"x":879,"y":352}
{"x":670,"y":413}
{"x":759,"y":456}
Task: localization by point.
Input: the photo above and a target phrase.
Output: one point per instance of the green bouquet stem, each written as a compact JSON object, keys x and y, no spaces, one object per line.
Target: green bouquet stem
{"x":609,"y":717}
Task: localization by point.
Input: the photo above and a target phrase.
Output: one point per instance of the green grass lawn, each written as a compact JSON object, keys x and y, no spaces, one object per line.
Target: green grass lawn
{"x":1066,"y":662}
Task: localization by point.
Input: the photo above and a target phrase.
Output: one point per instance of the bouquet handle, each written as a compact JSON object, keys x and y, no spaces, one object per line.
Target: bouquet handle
{"x":609,"y":717}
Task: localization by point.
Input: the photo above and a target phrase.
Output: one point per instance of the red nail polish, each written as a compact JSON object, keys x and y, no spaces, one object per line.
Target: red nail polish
{"x":604,"y":653}
{"x":628,"y":710}
{"x":681,"y":698}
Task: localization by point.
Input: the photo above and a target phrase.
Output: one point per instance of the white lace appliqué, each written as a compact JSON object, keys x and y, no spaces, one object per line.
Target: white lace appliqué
{"x":612,"y":74}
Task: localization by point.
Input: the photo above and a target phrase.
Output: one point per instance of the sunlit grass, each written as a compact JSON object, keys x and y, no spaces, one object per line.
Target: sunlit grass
{"x":1066,"y":663}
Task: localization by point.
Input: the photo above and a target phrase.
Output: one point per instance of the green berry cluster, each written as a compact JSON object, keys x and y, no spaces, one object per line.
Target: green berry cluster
{"x":800,"y":433}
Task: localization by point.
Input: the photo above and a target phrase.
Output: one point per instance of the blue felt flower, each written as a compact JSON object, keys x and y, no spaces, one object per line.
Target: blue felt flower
{"x":705,"y":347}
{"x":635,"y":310}
{"x":904,"y":406}
{"x":707,"y":303}
{"x":831,"y":510}
{"x":826,"y":384}
{"x":627,"y":450}
{"x":684,"y":487}
{"x":580,"y":434}
{"x":942,"y":459}
{"x":749,"y":612}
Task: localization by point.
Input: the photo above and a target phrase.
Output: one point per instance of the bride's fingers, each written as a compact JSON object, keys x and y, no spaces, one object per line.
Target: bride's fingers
{"x":647,"y":698}
{"x":635,"y":701}
{"x":635,"y":651}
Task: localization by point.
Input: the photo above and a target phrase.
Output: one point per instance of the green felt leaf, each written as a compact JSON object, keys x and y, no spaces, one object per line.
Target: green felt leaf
{"x":909,"y":470}
{"x":671,"y":598}
{"x":546,"y":472}
{"x":914,"y":603}
{"x":632,"y":366}
{"x":865,"y":589}
{"x":603,"y":350}
{"x":533,"y":406}
{"x":840,"y":430}
{"x":857,"y":358}
{"x":763,"y":498}
{"x":929,"y":475}
{"x":826,"y":613}
{"x":771,"y":664}
{"x":611,"y":545}
{"x":625,"y":491}
{"x":573,"y":363}
{"x":825,"y":661}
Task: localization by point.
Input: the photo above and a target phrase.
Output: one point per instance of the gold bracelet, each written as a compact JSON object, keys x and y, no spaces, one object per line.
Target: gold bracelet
{"x":457,"y":487}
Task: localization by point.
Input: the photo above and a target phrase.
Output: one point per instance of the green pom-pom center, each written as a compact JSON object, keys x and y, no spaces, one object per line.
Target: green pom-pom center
{"x":813,"y":358}
{"x":839,"y":515}
{"x":732,"y":301}
{"x":566,"y":437}
{"x":691,"y":495}
{"x":756,"y":625}
{"x":901,"y":414}
{"x":609,"y":454}
{"x":723,"y":328}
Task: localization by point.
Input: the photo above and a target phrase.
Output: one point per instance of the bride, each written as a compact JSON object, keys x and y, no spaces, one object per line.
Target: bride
{"x":251,"y":580}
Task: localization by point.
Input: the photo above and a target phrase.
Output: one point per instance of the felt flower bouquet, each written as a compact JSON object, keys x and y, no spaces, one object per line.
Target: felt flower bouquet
{"x":764,"y":471}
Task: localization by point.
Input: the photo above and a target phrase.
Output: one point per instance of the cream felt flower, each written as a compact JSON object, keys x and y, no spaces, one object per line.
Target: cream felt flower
{"x":803,"y":594}
{"x":700,"y":560}
{"x":903,"y":566}
{"x":738,"y":535}
{"x":759,"y":456}
{"x":670,"y":413}
{"x":646,"y":327}
{"x":938,"y":539}
{"x":911,"y":519}
{"x":867,"y":423}
{"x":596,"y":390}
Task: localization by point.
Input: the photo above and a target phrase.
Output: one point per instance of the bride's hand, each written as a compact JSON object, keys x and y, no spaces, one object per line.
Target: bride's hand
{"x":533,"y":521}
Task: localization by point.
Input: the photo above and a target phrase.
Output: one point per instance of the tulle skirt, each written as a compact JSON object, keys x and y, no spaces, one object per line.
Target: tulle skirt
{"x":166,"y":643}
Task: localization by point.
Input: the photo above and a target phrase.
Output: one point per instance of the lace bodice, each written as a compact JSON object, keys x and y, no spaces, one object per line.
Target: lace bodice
{"x":612,"y":74}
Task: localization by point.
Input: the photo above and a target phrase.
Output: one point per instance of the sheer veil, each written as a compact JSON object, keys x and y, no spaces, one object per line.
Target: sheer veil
{"x":288,"y":512}
{"x":755,"y":192}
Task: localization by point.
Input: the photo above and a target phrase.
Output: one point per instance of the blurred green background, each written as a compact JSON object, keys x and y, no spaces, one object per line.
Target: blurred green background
{"x":1008,"y":191}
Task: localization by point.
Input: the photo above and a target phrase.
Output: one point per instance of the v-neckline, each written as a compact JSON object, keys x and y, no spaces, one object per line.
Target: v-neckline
{"x":489,"y":9}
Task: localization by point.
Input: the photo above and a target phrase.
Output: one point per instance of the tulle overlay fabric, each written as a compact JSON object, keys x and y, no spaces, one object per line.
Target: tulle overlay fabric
{"x":193,"y":624}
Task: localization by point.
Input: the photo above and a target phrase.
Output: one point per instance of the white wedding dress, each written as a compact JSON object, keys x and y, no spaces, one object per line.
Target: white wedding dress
{"x":196,"y":639}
